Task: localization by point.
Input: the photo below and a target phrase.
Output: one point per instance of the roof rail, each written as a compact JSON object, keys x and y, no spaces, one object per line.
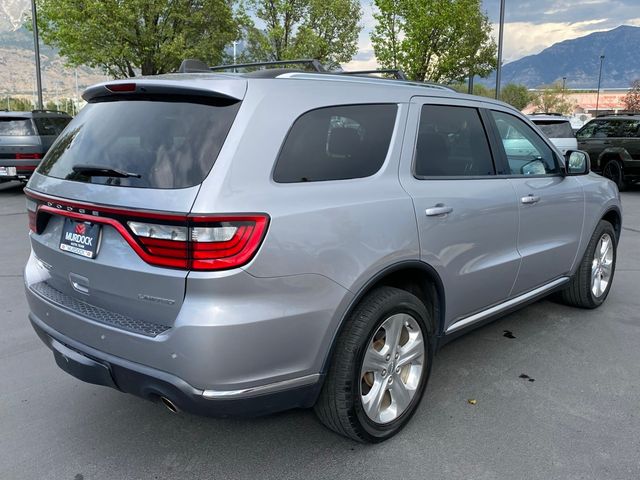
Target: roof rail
{"x":396,"y":72}
{"x":555,"y":114}
{"x":48,"y":111}
{"x":619,"y":114}
{"x":315,"y":64}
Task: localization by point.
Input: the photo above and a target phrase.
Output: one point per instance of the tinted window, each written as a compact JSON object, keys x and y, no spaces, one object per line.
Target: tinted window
{"x":600,"y":129}
{"x":169,"y":144}
{"x":336,"y":143}
{"x":630,"y":128}
{"x":51,"y":126}
{"x":16,"y":126}
{"x":451,"y":142}
{"x":526,"y":152}
{"x":555,"y":129}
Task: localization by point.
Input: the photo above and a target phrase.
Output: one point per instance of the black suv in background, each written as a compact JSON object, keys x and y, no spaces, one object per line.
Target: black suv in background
{"x":613,"y":143}
{"x":25,"y":137}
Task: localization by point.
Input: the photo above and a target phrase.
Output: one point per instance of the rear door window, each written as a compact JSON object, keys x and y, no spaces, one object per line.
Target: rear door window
{"x":336,"y":143}
{"x":452,"y":143}
{"x":166,"y":144}
{"x":20,"y":127}
{"x":630,"y":128}
{"x":555,"y":129}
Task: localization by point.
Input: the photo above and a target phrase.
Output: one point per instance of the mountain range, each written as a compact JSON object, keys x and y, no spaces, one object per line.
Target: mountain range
{"x":578,"y":60}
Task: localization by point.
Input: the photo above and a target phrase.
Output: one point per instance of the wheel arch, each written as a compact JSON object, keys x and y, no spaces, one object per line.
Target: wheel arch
{"x":413,"y":276}
{"x":614,"y":217}
{"x":613,"y":153}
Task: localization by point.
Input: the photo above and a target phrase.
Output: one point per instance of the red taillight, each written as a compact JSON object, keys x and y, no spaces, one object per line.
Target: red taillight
{"x":226,"y":242}
{"x":189,"y":242}
{"x":32,"y":208}
{"x":121,"y":87}
{"x":28,"y":156}
{"x":207,"y":243}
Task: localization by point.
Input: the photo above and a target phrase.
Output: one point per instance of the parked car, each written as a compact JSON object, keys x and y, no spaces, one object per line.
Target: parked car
{"x":558,"y":129}
{"x":613,"y":144}
{"x":248,"y":243}
{"x":25,"y":138}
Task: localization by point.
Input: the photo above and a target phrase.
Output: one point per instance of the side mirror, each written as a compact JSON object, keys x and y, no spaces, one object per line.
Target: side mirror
{"x":577,"y":162}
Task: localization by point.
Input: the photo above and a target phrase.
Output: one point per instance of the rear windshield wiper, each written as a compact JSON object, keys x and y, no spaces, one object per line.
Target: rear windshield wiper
{"x":99,"y":171}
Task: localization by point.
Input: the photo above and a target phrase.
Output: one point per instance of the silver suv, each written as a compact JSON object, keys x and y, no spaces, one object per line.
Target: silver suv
{"x":246,"y":243}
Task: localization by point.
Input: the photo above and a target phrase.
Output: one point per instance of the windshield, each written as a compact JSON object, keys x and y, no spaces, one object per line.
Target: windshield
{"x":168,"y":144}
{"x":555,"y":129}
{"x":16,"y":127}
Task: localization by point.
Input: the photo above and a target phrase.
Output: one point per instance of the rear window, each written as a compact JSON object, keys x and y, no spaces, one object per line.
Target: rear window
{"x":10,"y":126}
{"x":336,"y":143}
{"x":48,"y":126}
{"x":168,"y":144}
{"x":555,"y":129}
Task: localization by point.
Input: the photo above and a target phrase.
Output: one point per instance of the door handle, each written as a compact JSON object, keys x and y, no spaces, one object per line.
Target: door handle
{"x":438,"y":210}
{"x":530,"y":199}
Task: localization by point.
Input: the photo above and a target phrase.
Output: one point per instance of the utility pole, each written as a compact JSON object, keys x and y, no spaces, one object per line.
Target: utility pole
{"x":500,"y":41}
{"x":599,"y":81}
{"x":36,"y":43}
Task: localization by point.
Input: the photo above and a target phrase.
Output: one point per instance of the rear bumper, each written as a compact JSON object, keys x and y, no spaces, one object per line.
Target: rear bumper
{"x":24,"y":169}
{"x":93,"y":366}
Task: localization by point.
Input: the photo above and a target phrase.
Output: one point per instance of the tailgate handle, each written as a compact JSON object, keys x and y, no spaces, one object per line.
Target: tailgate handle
{"x":79,"y":283}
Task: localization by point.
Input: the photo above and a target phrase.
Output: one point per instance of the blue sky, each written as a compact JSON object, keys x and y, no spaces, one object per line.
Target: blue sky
{"x":531,"y":26}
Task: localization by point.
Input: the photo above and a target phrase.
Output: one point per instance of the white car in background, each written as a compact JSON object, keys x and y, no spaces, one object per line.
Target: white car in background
{"x":558,"y":129}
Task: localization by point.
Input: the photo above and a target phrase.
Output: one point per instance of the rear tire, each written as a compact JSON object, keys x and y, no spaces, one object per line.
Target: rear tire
{"x":395,"y":384}
{"x":583,"y":291}
{"x":614,"y":171}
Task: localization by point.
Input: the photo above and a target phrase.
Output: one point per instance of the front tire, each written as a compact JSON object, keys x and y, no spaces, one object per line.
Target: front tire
{"x":591,"y":283}
{"x":380,"y":367}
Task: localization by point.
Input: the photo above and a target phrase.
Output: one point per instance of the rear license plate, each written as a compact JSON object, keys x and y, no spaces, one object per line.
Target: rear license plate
{"x":80,"y":238}
{"x":8,"y":171}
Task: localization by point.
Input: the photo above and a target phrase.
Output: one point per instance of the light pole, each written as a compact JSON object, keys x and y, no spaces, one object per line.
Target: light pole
{"x":564,"y":84}
{"x":500,"y":39}
{"x":36,"y":43}
{"x":599,"y":81}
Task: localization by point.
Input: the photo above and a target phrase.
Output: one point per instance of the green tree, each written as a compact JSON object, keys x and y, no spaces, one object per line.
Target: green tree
{"x":552,"y":99}
{"x":516,"y":95}
{"x":436,"y":40}
{"x":126,"y":36}
{"x":323,"y":29}
{"x":632,"y":98}
{"x":16,"y":104}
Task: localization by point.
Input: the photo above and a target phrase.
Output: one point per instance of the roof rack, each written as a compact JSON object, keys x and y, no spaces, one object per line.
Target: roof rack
{"x":315,"y":64}
{"x":397,"y":73}
{"x":619,"y":114}
{"x":554,"y":114}
{"x":49,"y":111}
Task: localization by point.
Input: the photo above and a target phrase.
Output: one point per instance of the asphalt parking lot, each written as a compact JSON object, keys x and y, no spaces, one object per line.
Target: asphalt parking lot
{"x":579,"y":419}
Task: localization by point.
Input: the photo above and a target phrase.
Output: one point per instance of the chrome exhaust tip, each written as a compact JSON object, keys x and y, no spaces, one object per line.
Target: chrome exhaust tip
{"x":170,"y":405}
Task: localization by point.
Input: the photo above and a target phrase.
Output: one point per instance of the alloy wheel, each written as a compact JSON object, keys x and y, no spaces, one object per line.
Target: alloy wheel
{"x":602,"y":266}
{"x":392,"y":368}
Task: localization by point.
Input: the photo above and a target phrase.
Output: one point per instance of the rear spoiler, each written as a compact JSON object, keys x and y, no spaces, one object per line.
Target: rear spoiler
{"x":230,"y":89}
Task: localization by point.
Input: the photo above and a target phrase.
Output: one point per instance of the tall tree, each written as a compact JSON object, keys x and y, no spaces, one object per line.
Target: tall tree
{"x":516,"y":95}
{"x":323,"y":29}
{"x":632,"y":99}
{"x":552,"y":99}
{"x":123,"y":37}
{"x":436,"y":40}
